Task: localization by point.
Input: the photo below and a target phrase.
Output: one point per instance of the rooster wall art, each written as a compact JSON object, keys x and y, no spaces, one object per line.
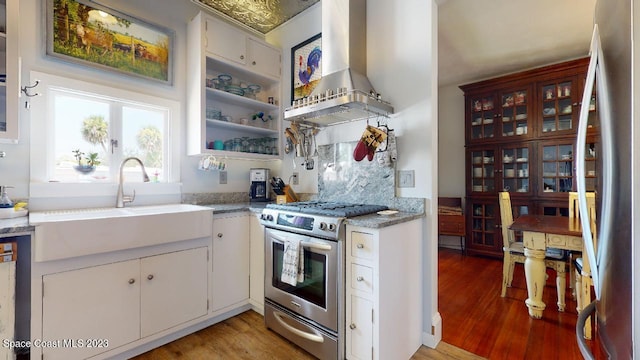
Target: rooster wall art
{"x":307,"y":67}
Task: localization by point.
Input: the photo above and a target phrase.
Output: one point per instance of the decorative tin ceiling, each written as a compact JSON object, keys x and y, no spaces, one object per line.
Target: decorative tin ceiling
{"x":260,"y":15}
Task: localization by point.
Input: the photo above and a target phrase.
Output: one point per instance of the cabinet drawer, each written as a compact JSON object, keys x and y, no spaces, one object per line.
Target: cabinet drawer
{"x":362,"y":245}
{"x":564,"y":242}
{"x":451,"y":225}
{"x":361,"y":278}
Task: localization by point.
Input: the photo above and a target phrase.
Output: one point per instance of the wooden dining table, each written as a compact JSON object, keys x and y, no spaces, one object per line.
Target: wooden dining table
{"x":540,"y":232}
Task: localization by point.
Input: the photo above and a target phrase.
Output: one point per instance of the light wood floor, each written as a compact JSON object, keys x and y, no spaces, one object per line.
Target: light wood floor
{"x":476,"y":320}
{"x":245,"y":337}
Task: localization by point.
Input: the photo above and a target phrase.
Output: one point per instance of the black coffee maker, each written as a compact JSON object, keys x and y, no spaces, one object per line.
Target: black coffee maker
{"x":260,"y":185}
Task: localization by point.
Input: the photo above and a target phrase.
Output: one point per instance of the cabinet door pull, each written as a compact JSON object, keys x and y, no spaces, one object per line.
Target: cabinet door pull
{"x":352,"y":326}
{"x":131,"y":281}
{"x":360,"y":246}
{"x":253,"y":63}
{"x":241,"y":57}
{"x":359,"y":278}
{"x":150,"y":277}
{"x":220,"y":235}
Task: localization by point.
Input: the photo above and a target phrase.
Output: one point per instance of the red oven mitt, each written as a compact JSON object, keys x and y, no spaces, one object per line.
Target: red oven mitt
{"x":369,"y":142}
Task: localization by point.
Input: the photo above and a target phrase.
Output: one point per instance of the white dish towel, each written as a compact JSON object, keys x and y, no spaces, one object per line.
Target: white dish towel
{"x":293,"y":262}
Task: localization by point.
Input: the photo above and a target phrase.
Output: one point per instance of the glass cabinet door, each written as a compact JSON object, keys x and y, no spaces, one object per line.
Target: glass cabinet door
{"x":485,"y":235}
{"x":591,"y":166}
{"x":554,"y":208}
{"x":515,"y":169}
{"x":593,"y":123}
{"x":559,"y":108}
{"x":483,"y":116}
{"x":483,"y":170}
{"x":514,"y":115}
{"x":519,"y":208}
{"x":9,"y":74}
{"x":557,"y":168}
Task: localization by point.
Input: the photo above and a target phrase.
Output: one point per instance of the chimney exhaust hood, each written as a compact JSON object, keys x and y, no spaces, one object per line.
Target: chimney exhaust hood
{"x":344,"y":93}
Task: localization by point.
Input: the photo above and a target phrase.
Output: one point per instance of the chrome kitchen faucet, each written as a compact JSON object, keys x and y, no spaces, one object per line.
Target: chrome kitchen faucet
{"x":121,"y":199}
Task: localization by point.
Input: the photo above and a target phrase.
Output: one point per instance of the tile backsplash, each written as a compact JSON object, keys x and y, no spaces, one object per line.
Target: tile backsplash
{"x":342,"y":179}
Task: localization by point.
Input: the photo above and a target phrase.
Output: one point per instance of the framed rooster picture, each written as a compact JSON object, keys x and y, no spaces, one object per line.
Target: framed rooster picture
{"x":88,"y":33}
{"x":306,"y":67}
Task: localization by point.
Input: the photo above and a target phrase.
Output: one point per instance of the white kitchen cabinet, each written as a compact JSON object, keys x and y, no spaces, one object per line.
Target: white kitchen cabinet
{"x":383,"y":292}
{"x":228,"y":112}
{"x":115,"y":304}
{"x":9,"y":71}
{"x":262,"y":58}
{"x":360,"y":331}
{"x":233,"y":44}
{"x":226,"y":41}
{"x":100,"y":302}
{"x":256,"y":264}
{"x":230,"y":261}
{"x":174,"y":289}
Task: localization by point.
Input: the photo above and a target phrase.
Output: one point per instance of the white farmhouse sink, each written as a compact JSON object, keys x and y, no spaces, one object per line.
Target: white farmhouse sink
{"x":70,"y":233}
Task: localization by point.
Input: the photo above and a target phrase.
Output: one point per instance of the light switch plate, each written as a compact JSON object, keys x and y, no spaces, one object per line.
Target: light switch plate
{"x":406,"y":179}
{"x":223,"y":177}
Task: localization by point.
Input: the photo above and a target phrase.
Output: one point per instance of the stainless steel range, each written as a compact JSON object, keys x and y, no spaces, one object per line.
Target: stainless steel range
{"x":311,"y":313}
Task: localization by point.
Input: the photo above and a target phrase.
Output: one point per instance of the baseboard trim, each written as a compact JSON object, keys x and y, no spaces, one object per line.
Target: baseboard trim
{"x":433,"y":338}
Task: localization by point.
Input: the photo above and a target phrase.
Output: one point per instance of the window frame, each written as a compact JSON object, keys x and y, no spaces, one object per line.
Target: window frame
{"x":42,"y":125}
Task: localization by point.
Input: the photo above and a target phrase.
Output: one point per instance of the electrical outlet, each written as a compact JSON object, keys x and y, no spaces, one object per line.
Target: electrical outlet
{"x":294,"y":178}
{"x":223,"y":177}
{"x":406,"y":179}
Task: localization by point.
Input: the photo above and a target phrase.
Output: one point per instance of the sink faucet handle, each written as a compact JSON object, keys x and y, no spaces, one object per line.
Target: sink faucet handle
{"x":129,"y":198}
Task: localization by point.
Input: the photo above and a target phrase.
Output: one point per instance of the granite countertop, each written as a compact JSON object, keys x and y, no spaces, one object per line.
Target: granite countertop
{"x":371,"y":221}
{"x":15,"y":225}
{"x":21,"y":224}
{"x":376,"y":221}
{"x":235,"y":207}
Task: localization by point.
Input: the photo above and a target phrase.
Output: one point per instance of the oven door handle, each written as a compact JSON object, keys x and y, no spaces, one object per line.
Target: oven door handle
{"x":311,"y":245}
{"x":315,"y":337}
{"x":315,"y":246}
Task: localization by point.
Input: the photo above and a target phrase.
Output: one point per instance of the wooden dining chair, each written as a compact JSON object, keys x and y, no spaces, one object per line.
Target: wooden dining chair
{"x":514,"y":252}
{"x":582,"y":272}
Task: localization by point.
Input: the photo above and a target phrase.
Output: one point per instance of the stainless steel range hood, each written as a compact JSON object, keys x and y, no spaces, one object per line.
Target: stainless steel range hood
{"x":344,"y":93}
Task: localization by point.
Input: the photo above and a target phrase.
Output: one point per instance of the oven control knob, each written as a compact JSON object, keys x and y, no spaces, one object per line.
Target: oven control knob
{"x":332,"y":227}
{"x":267,"y":217}
{"x":323,"y":226}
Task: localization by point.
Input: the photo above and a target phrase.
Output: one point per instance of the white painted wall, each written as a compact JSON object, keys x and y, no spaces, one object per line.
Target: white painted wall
{"x":451,"y":149}
{"x":292,"y":33}
{"x":451,"y":141}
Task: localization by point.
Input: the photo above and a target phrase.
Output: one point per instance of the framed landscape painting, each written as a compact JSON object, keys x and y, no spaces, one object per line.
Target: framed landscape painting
{"x":87,"y":33}
{"x":306,"y":67}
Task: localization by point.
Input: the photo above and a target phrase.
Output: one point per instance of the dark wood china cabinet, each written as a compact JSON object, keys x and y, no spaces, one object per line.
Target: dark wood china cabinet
{"x":520,"y":137}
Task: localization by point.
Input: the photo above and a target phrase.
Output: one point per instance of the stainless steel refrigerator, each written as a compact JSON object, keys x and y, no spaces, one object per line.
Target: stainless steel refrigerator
{"x":610,"y":74}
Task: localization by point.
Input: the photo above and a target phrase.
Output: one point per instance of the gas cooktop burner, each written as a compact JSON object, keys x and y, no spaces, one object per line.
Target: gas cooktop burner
{"x":329,"y":208}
